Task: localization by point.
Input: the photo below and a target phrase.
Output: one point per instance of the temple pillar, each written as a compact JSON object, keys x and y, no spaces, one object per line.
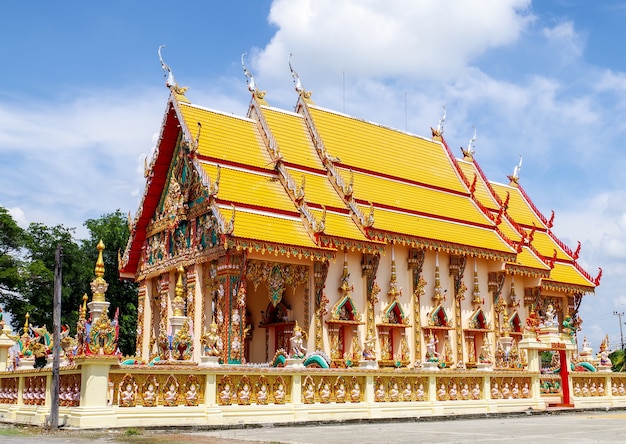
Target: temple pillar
{"x":232,"y":303}
{"x":195,"y":276}
{"x":416,"y":263}
{"x":143,"y":313}
{"x":369,"y":267}
{"x":320,"y":273}
{"x":457,"y":270}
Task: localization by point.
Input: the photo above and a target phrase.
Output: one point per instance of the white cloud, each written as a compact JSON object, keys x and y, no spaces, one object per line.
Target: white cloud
{"x":564,"y":36}
{"x":383,"y":38}
{"x":77,"y":159}
{"x":18,"y":216}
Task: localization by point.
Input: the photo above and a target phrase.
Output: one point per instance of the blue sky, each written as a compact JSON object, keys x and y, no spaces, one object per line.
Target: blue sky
{"x":83,"y":96}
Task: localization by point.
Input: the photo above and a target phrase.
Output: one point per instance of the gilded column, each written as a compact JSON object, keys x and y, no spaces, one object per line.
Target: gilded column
{"x":496,"y":282}
{"x":232,"y":305}
{"x":416,"y":264}
{"x":141,"y":326}
{"x":457,"y":269}
{"x":369,"y":267}
{"x":320,"y":274}
{"x":163,"y":298}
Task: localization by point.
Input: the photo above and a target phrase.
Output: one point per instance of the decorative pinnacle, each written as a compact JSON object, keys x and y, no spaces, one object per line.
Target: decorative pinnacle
{"x":100,"y":262}
{"x":83,"y":308}
{"x":99,"y":285}
{"x":394,"y":292}
{"x":26,"y":322}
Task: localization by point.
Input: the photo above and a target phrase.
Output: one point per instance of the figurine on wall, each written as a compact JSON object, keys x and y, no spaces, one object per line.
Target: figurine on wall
{"x":296,"y":342}
{"x":431,"y":349}
{"x":369,"y":354}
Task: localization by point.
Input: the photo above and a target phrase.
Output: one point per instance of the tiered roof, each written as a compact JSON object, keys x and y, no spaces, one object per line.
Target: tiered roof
{"x":313,"y":182}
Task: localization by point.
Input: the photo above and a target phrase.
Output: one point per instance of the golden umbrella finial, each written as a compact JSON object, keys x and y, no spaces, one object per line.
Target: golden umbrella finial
{"x":99,"y":285}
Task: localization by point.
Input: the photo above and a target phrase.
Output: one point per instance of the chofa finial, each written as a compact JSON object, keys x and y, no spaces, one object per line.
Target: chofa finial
{"x":250,"y":80}
{"x":297,"y":83}
{"x":514,"y":178}
{"x":170,"y":82}
{"x":439,"y":131}
{"x":468,"y":154}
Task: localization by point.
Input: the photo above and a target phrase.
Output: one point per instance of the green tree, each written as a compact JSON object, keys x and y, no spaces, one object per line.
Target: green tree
{"x":618,"y":361}
{"x":11,"y":242}
{"x":40,"y":244}
{"x":112,"y":229}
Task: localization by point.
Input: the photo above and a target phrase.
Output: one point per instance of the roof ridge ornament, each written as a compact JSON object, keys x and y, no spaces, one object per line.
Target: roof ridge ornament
{"x":297,"y":82}
{"x":514,"y":178}
{"x":170,"y":82}
{"x":250,"y":80}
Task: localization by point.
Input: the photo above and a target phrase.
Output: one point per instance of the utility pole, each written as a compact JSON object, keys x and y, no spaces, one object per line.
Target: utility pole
{"x":56,"y":338}
{"x":619,"y":314}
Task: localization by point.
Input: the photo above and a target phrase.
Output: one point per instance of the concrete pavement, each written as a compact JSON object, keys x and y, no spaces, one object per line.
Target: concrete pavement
{"x":536,"y":428}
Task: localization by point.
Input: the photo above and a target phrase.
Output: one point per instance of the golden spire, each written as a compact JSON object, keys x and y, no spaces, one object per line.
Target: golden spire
{"x":437,"y":296}
{"x":476,"y":299}
{"x":26,"y":322}
{"x":83,"y":307}
{"x":394,"y":292}
{"x":99,"y":285}
{"x":178,"y":304}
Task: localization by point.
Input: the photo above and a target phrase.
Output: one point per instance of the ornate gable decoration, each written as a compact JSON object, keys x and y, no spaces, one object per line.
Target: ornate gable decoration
{"x":345,"y":310}
{"x":478,"y":320}
{"x":438,"y":317}
{"x":393,"y":314}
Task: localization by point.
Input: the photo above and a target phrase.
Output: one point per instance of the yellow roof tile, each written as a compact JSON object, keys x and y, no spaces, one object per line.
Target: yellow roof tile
{"x":250,"y":188}
{"x":545,"y":245}
{"x":317,"y":188}
{"x":527,"y":259}
{"x":445,"y":231}
{"x":341,"y":225}
{"x":482,"y":192}
{"x":292,"y":137}
{"x":225,"y":137}
{"x":267,"y":228}
{"x":518,"y":208}
{"x":404,"y":195}
{"x":568,"y":274}
{"x":372,"y":147}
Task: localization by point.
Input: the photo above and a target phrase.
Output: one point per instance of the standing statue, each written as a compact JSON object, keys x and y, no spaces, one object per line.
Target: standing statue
{"x":431,"y":349}
{"x":297,"y":349}
{"x":369,"y":354}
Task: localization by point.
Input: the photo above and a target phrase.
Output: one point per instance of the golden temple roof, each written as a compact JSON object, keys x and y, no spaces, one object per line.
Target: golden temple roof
{"x":317,"y":181}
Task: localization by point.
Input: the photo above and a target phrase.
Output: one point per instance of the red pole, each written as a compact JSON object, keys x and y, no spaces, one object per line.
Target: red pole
{"x":564,"y":377}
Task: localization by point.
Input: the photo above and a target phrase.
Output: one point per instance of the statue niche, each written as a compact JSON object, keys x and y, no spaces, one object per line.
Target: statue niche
{"x":345,"y":347}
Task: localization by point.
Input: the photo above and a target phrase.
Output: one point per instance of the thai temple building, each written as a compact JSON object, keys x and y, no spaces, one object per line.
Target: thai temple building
{"x":309,"y":265}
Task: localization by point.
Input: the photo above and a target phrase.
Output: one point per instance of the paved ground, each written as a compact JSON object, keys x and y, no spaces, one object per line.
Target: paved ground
{"x":578,"y":427}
